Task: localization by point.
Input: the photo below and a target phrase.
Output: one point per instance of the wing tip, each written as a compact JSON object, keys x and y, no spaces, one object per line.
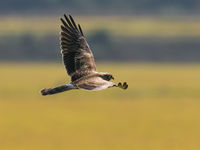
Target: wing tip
{"x":80,"y":30}
{"x":69,"y":21}
{"x":65,"y":15}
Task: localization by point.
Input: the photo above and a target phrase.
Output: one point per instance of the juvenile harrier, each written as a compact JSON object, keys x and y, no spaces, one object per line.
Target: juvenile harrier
{"x":79,"y":62}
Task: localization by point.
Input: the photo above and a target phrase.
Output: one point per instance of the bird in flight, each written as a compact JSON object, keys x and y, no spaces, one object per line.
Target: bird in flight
{"x":79,"y":62}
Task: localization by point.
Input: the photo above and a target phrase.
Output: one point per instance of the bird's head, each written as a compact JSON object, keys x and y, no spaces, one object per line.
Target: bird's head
{"x":107,"y":76}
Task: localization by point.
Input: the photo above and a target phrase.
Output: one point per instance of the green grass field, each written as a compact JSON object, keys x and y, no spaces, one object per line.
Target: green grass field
{"x":159,"y":111}
{"x":116,"y":25}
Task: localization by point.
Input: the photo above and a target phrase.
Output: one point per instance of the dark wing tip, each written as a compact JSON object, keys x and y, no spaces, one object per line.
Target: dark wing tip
{"x":80,"y":30}
{"x":63,"y":28}
{"x":70,"y":16}
{"x":65,"y":15}
{"x":63,"y":22}
{"x":69,"y":22}
{"x":125,"y":86}
{"x":73,"y":22}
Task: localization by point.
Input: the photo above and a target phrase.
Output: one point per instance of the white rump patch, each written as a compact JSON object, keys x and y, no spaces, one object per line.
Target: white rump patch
{"x":71,"y":86}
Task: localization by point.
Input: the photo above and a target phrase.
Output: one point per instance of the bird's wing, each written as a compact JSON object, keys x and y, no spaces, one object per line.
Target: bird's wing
{"x":77,"y":56}
{"x":94,"y":83}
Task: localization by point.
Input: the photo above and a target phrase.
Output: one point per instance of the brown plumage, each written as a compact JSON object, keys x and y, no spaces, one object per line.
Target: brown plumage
{"x":79,"y":62}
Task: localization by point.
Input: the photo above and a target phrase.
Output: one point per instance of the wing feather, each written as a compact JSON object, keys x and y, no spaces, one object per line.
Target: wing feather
{"x":77,"y":56}
{"x":94,"y":83}
{"x":72,"y":20}
{"x":80,"y":29}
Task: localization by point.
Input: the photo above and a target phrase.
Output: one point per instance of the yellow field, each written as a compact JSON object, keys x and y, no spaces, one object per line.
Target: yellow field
{"x":118,"y":26}
{"x":159,"y":111}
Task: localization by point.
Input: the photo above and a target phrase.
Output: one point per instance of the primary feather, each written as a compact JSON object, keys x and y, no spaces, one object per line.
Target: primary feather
{"x":77,"y":56}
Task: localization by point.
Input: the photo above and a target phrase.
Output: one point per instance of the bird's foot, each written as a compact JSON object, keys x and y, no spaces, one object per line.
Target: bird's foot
{"x":122,"y":86}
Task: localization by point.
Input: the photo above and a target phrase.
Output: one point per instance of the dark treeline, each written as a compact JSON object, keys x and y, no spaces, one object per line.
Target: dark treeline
{"x":103,"y":6}
{"x":104,"y":47}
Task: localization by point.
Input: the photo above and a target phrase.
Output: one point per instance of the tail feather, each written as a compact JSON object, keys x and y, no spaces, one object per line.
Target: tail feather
{"x":57,"y":89}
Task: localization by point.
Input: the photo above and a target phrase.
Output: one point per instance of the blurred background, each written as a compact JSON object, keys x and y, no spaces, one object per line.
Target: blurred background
{"x":154,"y":45}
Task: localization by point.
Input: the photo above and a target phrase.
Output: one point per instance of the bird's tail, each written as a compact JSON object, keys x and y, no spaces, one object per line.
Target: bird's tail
{"x":57,"y":89}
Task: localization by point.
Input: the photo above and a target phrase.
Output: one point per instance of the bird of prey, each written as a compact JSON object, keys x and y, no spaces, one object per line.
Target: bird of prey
{"x":79,"y":62}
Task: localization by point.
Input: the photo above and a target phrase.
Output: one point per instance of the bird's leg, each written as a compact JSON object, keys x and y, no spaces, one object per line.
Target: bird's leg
{"x":122,"y":86}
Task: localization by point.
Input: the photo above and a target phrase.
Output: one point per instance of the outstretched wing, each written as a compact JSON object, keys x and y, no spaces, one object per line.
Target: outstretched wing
{"x":94,"y":83}
{"x":77,"y":56}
